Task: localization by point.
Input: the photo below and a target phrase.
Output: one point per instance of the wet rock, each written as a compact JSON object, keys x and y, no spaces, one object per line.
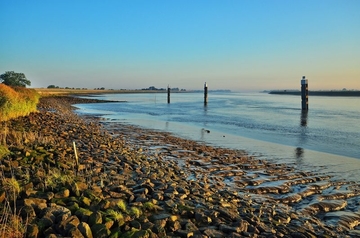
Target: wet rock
{"x":341,"y":218}
{"x":328,"y":205}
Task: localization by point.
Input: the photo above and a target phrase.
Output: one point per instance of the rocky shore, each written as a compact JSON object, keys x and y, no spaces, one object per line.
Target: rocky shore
{"x":82,"y":177}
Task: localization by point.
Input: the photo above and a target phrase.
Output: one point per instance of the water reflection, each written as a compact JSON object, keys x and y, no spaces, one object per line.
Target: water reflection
{"x":304,"y":118}
{"x":299,"y":151}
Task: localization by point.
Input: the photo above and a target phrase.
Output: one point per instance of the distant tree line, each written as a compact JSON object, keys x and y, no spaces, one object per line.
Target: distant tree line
{"x":153,"y":88}
{"x":54,"y":86}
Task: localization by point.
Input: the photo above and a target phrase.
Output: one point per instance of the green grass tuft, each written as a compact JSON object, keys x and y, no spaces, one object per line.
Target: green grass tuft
{"x":122,"y":205}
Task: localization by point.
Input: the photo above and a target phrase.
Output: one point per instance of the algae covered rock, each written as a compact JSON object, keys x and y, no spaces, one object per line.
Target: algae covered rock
{"x":100,"y":231}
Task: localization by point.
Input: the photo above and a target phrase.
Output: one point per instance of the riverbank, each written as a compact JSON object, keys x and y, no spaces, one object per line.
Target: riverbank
{"x":129,"y":181}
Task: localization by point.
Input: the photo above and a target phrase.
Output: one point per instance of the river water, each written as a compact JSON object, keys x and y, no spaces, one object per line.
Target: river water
{"x":273,"y":127}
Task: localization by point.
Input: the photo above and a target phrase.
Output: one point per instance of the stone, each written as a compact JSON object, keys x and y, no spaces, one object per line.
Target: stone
{"x":190,"y":226}
{"x":173,"y":225}
{"x":67,"y":224}
{"x":85,"y":201}
{"x":85,"y":230}
{"x":109,"y":223}
{"x":32,"y":231}
{"x":228,"y":229}
{"x":214,"y":233}
{"x":160,"y":216}
{"x":100,"y":231}
{"x":37,"y":203}
{"x":83,"y":214}
{"x":95,"y":218}
{"x":64,"y":193}
{"x":56,"y":210}
{"x":75,"y":232}
{"x":228,"y":214}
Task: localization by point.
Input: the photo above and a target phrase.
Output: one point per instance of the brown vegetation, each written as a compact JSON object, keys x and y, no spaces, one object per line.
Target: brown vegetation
{"x":17,"y":101}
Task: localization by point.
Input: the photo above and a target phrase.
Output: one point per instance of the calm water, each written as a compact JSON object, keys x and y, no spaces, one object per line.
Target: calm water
{"x":266,"y":125}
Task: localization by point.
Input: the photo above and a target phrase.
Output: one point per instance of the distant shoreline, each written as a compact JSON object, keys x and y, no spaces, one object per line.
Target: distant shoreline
{"x":63,"y":91}
{"x":60,"y":91}
{"x":344,"y":93}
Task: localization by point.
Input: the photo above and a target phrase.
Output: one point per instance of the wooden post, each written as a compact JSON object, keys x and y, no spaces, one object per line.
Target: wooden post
{"x":76,"y":156}
{"x":304,"y":94}
{"x":168,"y":94}
{"x":205,"y":94}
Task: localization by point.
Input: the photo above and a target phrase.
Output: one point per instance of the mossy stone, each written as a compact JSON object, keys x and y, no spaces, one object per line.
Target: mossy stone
{"x":95,"y":218}
{"x":100,"y":231}
{"x":83,"y":214}
{"x":73,"y":207}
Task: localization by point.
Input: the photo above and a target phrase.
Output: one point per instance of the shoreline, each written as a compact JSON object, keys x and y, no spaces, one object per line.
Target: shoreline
{"x":195,"y":190}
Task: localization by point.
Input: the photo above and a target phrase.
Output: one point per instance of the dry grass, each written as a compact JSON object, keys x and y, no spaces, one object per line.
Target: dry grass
{"x":18,"y":138}
{"x":16,"y":102}
{"x":11,"y":223}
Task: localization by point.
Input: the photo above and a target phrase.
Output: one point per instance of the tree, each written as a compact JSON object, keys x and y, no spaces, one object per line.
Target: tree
{"x":12,"y":79}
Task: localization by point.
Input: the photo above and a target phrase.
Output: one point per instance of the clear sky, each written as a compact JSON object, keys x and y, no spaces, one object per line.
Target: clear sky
{"x":238,"y":45}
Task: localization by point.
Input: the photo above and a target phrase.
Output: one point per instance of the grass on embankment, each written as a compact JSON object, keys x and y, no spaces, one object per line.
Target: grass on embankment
{"x":16,"y":102}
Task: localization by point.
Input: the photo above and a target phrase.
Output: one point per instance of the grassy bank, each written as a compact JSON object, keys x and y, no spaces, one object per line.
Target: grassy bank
{"x":16,"y":102}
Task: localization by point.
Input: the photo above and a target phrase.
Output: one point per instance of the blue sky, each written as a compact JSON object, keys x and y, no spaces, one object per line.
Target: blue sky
{"x":239,"y":45}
